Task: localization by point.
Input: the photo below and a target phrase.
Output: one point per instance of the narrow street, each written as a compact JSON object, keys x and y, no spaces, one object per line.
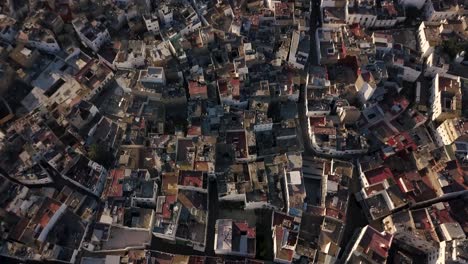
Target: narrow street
{"x":315,"y":22}
{"x":213,"y":207}
{"x":313,"y":60}
{"x":355,"y":216}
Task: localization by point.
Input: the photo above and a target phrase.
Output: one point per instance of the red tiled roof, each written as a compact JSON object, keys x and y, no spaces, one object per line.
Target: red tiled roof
{"x":286,"y":254}
{"x":366,"y":76}
{"x":446,"y":83}
{"x":235,"y":83}
{"x":405,"y":185}
{"x":402,"y":101}
{"x":412,"y":176}
{"x":380,"y":244}
{"x":166,"y":212}
{"x":444,"y":216}
{"x":115,"y":189}
{"x":223,"y":87}
{"x":375,"y":242}
{"x":281,"y":218}
{"x":324,"y":130}
{"x":51,"y":209}
{"x":332,"y":213}
{"x":194,"y":131}
{"x":317,"y":120}
{"x":378,"y":175}
{"x":356,"y":30}
{"x":402,"y":141}
{"x":254,"y":19}
{"x":282,"y":9}
{"x":196,"y":88}
{"x":243,"y":226}
{"x":196,"y":260}
{"x":421,"y":217}
{"x":191,"y":178}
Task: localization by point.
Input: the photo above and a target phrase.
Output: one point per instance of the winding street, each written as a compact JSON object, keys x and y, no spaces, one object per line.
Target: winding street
{"x":354,"y":212}
{"x":315,"y":22}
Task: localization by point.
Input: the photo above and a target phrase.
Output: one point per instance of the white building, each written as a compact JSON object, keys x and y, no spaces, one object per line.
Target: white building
{"x":152,"y":23}
{"x":131,"y":56}
{"x":427,"y":38}
{"x":366,"y":14}
{"x":166,"y":15}
{"x":365,"y":86}
{"x":192,"y":21}
{"x":37,"y":37}
{"x":153,"y":75}
{"x":92,"y":34}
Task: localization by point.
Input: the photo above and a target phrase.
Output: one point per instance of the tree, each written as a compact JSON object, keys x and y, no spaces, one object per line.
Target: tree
{"x":453,"y":47}
{"x":100,"y":154}
{"x":413,"y":15}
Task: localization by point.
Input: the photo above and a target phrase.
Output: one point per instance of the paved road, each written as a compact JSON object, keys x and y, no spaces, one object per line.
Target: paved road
{"x":355,"y":217}
{"x":213,"y":207}
{"x":314,"y":23}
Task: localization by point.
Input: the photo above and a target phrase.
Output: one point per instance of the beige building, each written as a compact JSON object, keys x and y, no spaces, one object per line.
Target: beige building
{"x":24,"y":56}
{"x":446,"y":98}
{"x":452,"y":129}
{"x":348,"y":114}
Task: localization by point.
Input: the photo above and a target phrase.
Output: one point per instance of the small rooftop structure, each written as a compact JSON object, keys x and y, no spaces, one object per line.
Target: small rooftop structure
{"x":234,"y":238}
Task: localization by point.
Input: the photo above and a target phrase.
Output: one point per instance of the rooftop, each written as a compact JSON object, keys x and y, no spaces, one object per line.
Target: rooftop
{"x":93,"y":75}
{"x":375,"y":245}
{"x":378,"y":175}
{"x":285,"y":233}
{"x":193,"y":216}
{"x":84,"y":171}
{"x":235,"y":237}
{"x":196,"y":179}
